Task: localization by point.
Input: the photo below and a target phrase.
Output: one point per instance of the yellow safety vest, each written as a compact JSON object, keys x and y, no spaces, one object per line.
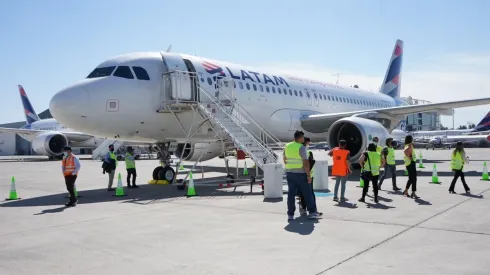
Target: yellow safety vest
{"x":130,"y":163}
{"x":375,"y":159}
{"x":390,"y":158}
{"x":293,"y":158}
{"x":407,"y":160}
{"x":457,"y":161}
{"x":379,"y":149}
{"x":312,"y":170}
{"x":113,"y":156}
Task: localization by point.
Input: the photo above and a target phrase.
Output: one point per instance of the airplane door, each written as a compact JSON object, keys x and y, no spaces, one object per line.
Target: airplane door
{"x":180,"y":84}
{"x":315,"y":98}
{"x":308,"y":97}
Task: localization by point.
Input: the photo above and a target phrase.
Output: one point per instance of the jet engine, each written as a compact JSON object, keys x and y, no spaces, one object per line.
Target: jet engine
{"x":358,"y":133}
{"x":192,"y":152}
{"x":49,"y":144}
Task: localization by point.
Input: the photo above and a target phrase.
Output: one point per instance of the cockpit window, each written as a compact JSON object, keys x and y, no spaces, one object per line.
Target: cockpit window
{"x":101,"y":72}
{"x":141,"y":74}
{"x":124,"y":71}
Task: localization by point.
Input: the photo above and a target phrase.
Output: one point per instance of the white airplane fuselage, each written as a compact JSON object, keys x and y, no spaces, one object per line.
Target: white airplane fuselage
{"x":127,"y":108}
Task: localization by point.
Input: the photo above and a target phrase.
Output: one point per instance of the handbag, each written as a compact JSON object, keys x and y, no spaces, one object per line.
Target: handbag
{"x":366,"y":175}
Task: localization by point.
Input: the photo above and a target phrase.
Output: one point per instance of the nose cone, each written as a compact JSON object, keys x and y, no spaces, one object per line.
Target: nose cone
{"x":69,"y":104}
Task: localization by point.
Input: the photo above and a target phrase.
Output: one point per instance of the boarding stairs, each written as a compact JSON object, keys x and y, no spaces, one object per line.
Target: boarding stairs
{"x":103,"y":148}
{"x":221,"y":107}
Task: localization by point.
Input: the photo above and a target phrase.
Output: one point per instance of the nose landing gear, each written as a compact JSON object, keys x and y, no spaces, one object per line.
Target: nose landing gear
{"x":164,"y":172}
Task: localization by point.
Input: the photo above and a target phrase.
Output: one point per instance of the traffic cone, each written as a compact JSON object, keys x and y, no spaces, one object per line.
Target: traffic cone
{"x":13,"y":191}
{"x":119,"y":188}
{"x":181,"y":167}
{"x":435,"y":178}
{"x":191,"y":190}
{"x":484,"y":175}
{"x":421,"y":164}
{"x":245,"y":170}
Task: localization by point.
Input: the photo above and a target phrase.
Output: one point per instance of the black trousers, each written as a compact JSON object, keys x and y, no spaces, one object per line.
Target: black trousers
{"x":365,"y":189}
{"x":302,"y":198}
{"x":70,"y":186}
{"x":412,"y":176}
{"x":457,"y":174}
{"x":131,"y":171}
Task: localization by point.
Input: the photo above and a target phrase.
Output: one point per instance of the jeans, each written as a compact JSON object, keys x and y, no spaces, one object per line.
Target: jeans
{"x":365,"y":189}
{"x":391,"y":169}
{"x":299,"y":181}
{"x":302,"y":198}
{"x":340,"y":180}
{"x":70,"y":186}
{"x":412,"y":176}
{"x":457,"y":174}
{"x":111,"y":178}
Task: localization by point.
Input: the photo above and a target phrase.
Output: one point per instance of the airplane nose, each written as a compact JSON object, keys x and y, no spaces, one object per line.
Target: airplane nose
{"x":69,"y":102}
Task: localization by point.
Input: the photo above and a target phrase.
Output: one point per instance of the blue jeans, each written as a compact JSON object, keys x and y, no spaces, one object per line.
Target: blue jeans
{"x":340,"y":180}
{"x":299,"y":181}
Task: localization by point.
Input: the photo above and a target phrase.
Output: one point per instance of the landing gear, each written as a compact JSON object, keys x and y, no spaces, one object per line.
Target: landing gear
{"x":164,"y":172}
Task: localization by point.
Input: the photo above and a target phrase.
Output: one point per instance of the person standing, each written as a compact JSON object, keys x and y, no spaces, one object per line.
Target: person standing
{"x":458,"y":159}
{"x":379,"y":149}
{"x":371,"y":162}
{"x":110,"y":166}
{"x":70,"y":165}
{"x":130,"y":167}
{"x":311,"y":162}
{"x":410,"y":159}
{"x":298,"y":175}
{"x":340,"y":169}
{"x":388,"y":154}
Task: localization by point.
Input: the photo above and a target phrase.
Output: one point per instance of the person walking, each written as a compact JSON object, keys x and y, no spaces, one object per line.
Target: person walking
{"x":371,"y":162}
{"x":378,"y":147}
{"x":70,"y":165}
{"x":458,"y":159}
{"x":388,"y":154}
{"x":298,"y":176}
{"x":130,"y":167}
{"x":340,"y":169}
{"x":410,"y":159}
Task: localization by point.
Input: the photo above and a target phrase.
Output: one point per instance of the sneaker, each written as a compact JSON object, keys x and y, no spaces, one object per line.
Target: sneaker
{"x":361,"y":200}
{"x":343,"y":199}
{"x":302,"y":212}
{"x":290,"y":218}
{"x":111,"y":189}
{"x":335,"y":199}
{"x":396,"y":189}
{"x":314,"y":216}
{"x":376,"y":200}
{"x":135,"y":186}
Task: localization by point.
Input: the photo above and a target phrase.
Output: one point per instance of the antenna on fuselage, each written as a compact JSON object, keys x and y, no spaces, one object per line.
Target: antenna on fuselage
{"x":169,"y":48}
{"x":338,"y":75}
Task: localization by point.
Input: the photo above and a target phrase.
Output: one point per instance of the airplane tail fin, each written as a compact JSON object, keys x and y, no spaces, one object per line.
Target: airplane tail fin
{"x":31,"y":115}
{"x":392,"y":81}
{"x":484,"y":124}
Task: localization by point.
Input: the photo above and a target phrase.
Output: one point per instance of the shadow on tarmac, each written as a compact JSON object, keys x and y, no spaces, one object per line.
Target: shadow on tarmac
{"x":301,"y":225}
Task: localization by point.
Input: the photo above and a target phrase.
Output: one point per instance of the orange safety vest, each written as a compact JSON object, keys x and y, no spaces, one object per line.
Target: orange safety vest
{"x":68,"y":165}
{"x":339,"y":167}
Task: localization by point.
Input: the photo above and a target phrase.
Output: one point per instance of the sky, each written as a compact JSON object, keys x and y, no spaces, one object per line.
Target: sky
{"x":47,"y":45}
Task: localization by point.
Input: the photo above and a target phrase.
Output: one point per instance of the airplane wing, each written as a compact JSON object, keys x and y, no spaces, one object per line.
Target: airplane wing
{"x":72,"y":136}
{"x":322,"y":122}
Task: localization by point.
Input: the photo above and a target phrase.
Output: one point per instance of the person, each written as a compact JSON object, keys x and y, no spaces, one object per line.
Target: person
{"x":340,"y":169}
{"x":458,"y":159}
{"x":70,"y":165}
{"x":388,"y":154}
{"x":130,"y":167}
{"x":110,"y":163}
{"x":298,"y":175}
{"x":410,"y":159}
{"x":379,"y":149}
{"x":371,"y":162}
{"x":311,"y":162}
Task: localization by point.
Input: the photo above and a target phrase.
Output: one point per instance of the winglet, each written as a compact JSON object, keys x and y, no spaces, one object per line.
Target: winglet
{"x":169,"y":49}
{"x":392,"y":81}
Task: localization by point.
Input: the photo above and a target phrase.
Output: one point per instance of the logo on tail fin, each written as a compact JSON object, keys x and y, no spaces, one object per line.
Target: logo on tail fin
{"x":392,"y":82}
{"x":484,"y":124}
{"x":29,"y":112}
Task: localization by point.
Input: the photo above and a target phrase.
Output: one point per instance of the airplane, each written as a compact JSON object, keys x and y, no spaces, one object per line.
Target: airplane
{"x":48,"y":136}
{"x":159,"y":97}
{"x":450,"y":141}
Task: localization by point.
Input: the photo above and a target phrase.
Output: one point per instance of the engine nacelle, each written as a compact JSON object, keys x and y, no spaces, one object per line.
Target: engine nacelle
{"x":50,"y":143}
{"x":357,"y":132}
{"x":192,"y":152}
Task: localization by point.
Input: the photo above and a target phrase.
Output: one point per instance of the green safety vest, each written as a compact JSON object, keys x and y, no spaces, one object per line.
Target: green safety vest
{"x":293,"y":158}
{"x":113,"y":156}
{"x":379,"y":149}
{"x":129,"y":161}
{"x":311,"y":169}
{"x":457,"y":161}
{"x":407,"y":160}
{"x":390,"y":158}
{"x":375,"y":159}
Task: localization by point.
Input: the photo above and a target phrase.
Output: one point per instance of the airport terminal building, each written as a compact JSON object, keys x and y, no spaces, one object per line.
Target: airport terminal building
{"x":430,"y":121}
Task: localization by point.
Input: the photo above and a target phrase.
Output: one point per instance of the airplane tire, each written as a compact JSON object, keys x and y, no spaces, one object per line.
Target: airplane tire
{"x":156,"y":171}
{"x":167,"y":173}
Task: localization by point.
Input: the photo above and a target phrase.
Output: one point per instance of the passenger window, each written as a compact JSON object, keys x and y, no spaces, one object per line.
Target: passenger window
{"x":300,"y":93}
{"x":248,"y":86}
{"x":234,"y":84}
{"x":124,"y":72}
{"x":241,"y":85}
{"x":261,"y":88}
{"x":290,"y":92}
{"x":328,"y":97}
{"x":279,"y":90}
{"x":315,"y":96}
{"x":273,"y":89}
{"x":255,"y":87}
{"x":101,"y":72}
{"x":308,"y":94}
{"x":141,"y":73}
{"x":295,"y":93}
{"x":210,"y":81}
{"x":267,"y":89}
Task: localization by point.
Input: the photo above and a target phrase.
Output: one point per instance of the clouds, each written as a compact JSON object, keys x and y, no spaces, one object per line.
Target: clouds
{"x":437,"y":79}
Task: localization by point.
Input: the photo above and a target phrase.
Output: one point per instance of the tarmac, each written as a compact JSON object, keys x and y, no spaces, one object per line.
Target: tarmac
{"x":156,"y":229}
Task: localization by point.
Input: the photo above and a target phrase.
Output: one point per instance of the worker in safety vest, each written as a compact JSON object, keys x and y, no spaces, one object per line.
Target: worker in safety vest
{"x":340,"y":169}
{"x":371,"y":163}
{"x":70,"y":165}
{"x":388,"y":154}
{"x":311,"y":162}
{"x":379,"y":149}
{"x":458,"y":159}
{"x":110,"y":166}
{"x":130,"y":167}
{"x":298,"y":175}
{"x":410,"y":159}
